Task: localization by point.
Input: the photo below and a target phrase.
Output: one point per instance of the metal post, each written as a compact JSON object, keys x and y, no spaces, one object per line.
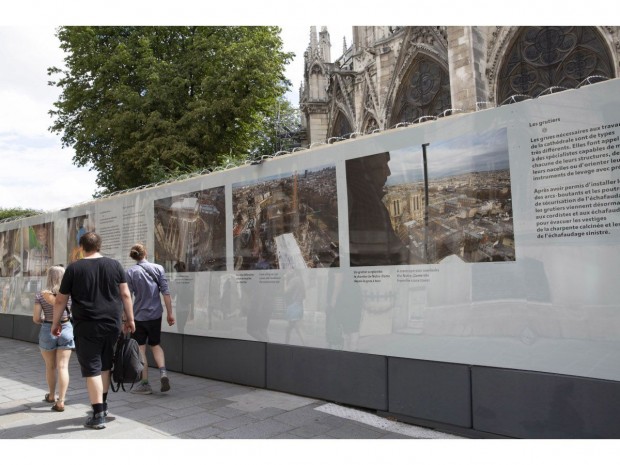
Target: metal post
{"x":425,"y":201}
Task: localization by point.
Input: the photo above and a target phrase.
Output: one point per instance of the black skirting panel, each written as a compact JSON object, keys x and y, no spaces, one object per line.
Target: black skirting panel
{"x":6,"y":325}
{"x":24,"y":329}
{"x":535,"y":405}
{"x":234,"y":361}
{"x":172,"y":344}
{"x":338,"y":376}
{"x":434,"y":391}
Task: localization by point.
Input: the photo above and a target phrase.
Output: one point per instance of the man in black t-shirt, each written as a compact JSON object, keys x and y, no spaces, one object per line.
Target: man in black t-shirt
{"x":99,"y":296}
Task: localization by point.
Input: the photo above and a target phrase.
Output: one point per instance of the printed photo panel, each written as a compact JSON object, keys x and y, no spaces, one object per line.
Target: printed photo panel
{"x":76,"y":228}
{"x":419,"y":205}
{"x":287,"y":221}
{"x":190,"y":231}
{"x":38,"y":249}
{"x":10,"y":256}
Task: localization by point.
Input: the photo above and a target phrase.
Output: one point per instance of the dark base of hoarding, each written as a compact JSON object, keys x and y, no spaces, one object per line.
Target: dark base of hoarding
{"x":472,"y":401}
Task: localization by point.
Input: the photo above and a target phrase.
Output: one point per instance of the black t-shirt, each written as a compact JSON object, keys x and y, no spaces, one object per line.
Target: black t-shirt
{"x":93,"y":284}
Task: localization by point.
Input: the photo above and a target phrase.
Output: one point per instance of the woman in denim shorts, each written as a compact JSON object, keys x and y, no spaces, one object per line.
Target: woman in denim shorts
{"x":56,"y":350}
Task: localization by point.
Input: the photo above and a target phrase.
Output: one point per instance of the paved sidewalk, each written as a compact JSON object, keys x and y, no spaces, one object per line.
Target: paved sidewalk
{"x":195,"y":408}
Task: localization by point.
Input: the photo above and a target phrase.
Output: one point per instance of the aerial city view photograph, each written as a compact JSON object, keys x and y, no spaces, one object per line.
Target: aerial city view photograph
{"x":398,"y":216}
{"x":288,"y":221}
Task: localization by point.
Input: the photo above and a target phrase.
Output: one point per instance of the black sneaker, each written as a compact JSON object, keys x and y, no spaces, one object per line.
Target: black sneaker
{"x":165,"y":383}
{"x":95,"y":420}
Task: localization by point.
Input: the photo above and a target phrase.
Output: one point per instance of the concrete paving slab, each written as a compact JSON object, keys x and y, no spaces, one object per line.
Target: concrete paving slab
{"x":195,"y":408}
{"x":259,"y":430}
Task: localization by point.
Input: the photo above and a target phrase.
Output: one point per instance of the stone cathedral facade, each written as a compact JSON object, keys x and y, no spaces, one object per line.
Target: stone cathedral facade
{"x":392,"y":75}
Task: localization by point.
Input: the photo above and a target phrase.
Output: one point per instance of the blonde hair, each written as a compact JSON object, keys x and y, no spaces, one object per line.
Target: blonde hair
{"x":137,"y":252}
{"x":54,"y":277}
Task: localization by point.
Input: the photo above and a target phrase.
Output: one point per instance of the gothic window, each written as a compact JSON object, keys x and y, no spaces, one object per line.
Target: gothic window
{"x":546,"y":56}
{"x":396,"y":207}
{"x":317,"y":85}
{"x":371,"y":125}
{"x":425,"y":92}
{"x":342,"y":127}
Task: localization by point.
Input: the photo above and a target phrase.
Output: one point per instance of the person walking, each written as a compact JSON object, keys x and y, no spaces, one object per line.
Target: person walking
{"x":146,"y":282}
{"x":100,"y":298}
{"x":56,"y":350}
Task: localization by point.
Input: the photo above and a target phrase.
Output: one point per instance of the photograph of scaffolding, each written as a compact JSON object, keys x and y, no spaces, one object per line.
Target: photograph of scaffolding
{"x":190,"y":231}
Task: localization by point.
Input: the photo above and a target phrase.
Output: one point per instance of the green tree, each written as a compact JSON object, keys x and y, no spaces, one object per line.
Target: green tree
{"x":141,"y":104}
{"x":281,"y":129}
{"x":17,"y":212}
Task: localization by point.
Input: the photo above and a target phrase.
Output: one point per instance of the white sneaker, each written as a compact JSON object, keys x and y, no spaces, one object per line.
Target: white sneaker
{"x":142,"y":388}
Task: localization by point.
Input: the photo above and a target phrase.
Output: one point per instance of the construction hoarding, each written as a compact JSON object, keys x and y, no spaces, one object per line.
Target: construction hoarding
{"x":490,"y":238}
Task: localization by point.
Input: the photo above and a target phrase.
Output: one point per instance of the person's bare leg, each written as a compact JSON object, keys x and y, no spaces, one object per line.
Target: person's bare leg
{"x":105,"y":381}
{"x":94,"y":386}
{"x":62,"y":365}
{"x":145,"y":370}
{"x":158,"y":355}
{"x":49,"y":356}
{"x":160,"y":360}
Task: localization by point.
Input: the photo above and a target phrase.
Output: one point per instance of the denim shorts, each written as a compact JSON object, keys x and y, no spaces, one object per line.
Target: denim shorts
{"x":63,"y":342}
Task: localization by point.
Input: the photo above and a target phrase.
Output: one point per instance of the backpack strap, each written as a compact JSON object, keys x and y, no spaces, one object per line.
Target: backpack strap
{"x":118,"y":341}
{"x":151,"y":274}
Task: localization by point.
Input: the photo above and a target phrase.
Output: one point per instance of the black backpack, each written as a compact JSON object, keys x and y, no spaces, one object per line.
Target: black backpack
{"x":126,"y":365}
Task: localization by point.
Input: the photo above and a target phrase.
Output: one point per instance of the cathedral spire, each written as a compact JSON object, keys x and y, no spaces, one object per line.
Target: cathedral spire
{"x":325,"y":45}
{"x":313,"y":47}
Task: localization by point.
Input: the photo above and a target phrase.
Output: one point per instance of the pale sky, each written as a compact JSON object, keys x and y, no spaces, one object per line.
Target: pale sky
{"x":36,"y":172}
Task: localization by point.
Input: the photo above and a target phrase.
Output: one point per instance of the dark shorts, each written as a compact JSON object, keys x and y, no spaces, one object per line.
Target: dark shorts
{"x":95,"y":353}
{"x":148,"y":331}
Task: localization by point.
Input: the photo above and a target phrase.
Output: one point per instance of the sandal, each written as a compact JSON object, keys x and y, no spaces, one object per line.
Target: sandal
{"x":57,"y":408}
{"x":47,"y":399}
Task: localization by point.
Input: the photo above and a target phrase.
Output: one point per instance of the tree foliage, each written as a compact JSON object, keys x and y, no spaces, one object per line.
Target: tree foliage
{"x":140,"y":104}
{"x":281,"y":130}
{"x":17,"y":212}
